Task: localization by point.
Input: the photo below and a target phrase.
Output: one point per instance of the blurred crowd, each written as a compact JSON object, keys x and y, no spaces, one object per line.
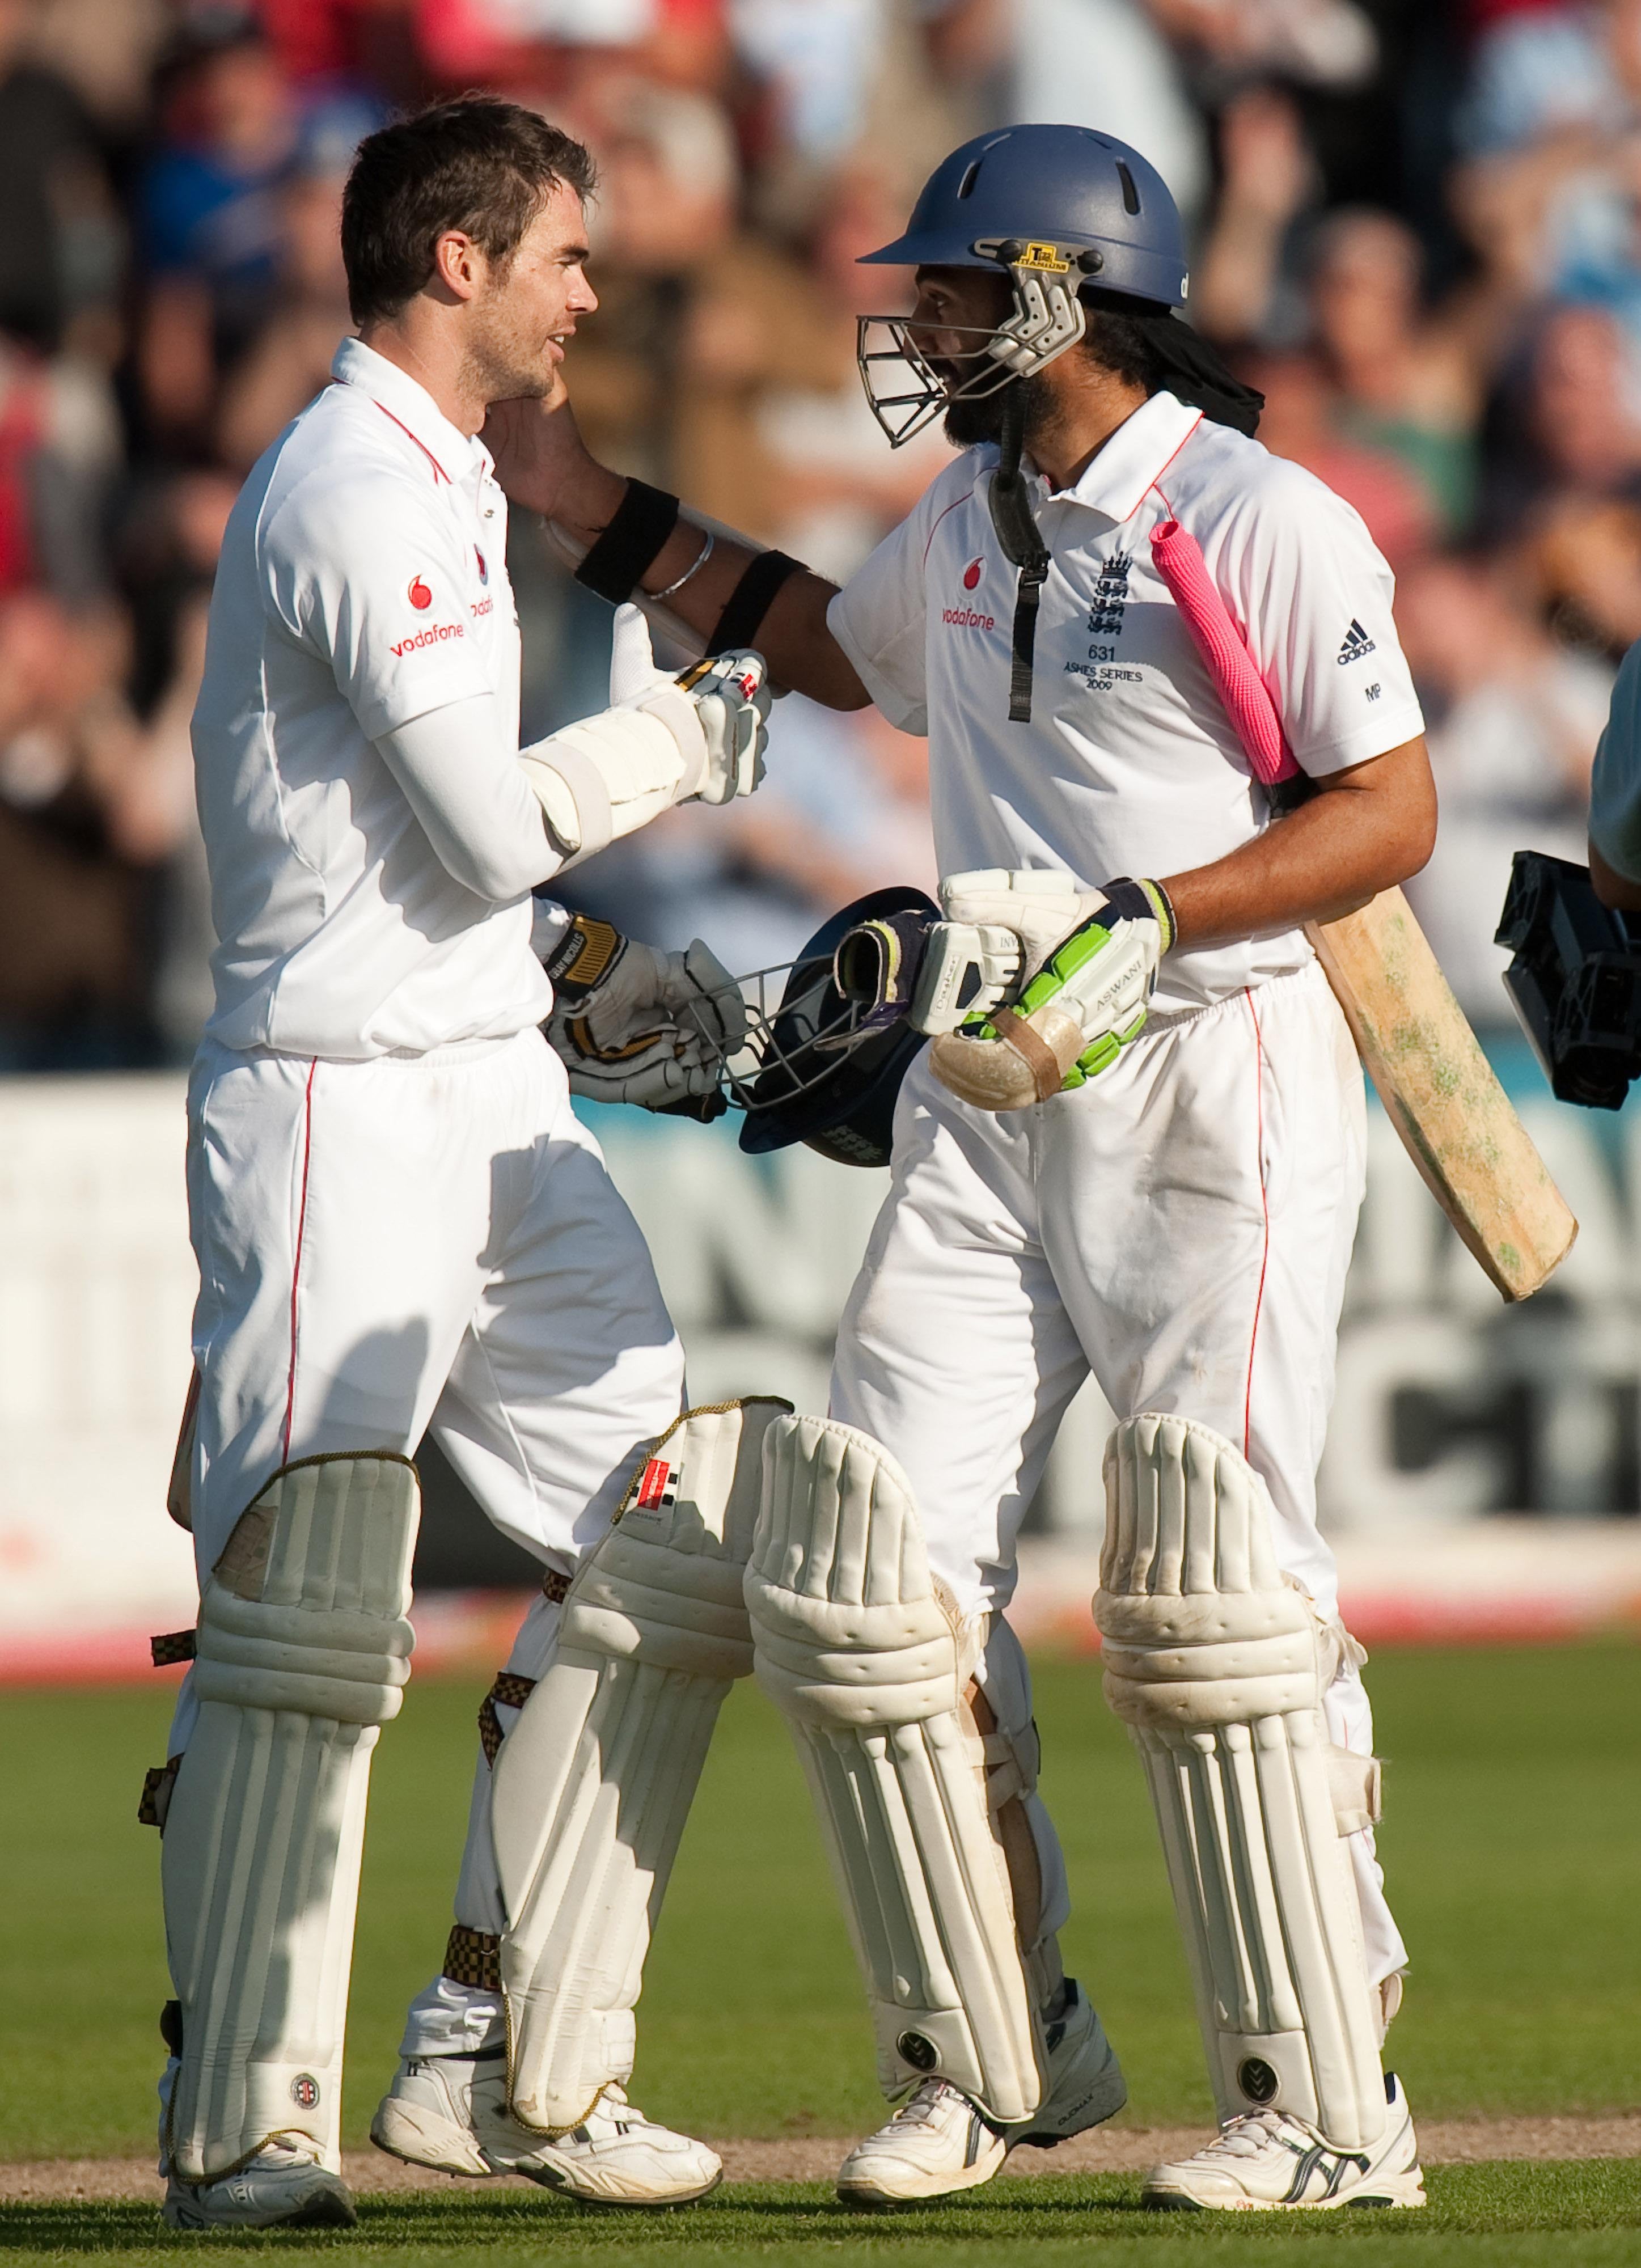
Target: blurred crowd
{"x":1417,"y":228}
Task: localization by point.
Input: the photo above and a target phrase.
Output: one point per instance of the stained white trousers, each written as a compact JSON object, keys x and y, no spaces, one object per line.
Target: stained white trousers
{"x":415,"y":1244}
{"x":1181,"y":1228}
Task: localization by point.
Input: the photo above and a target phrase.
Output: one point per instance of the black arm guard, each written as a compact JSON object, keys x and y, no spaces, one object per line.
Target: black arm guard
{"x":631,"y":544}
{"x":749,"y":601}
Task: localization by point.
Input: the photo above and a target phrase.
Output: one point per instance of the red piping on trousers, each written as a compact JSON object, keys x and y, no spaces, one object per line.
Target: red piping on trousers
{"x":296,"y":1270}
{"x":1264,"y":1200}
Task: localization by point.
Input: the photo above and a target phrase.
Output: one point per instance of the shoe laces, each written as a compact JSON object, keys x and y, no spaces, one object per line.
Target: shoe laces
{"x":613,"y":2110}
{"x":287,"y":2150}
{"x":923,"y":2106}
{"x":1246,"y":2136}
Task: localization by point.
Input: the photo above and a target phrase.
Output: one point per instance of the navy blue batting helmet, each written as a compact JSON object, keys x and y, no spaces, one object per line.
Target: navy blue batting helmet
{"x":831,"y":1066}
{"x":1062,"y":212}
{"x":1065,"y":186}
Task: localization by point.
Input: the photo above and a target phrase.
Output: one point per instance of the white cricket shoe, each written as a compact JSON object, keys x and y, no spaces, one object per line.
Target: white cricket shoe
{"x":451,"y":2112}
{"x":1085,"y":2082}
{"x":1269,"y":2161}
{"x":936,"y":2144}
{"x":284,"y":2186}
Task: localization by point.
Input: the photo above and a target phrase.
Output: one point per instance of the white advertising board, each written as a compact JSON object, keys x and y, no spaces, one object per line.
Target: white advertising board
{"x":1449,"y":1408}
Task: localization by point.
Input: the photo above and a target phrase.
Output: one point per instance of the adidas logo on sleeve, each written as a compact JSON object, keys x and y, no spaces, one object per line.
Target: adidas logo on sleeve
{"x":1356,"y":643}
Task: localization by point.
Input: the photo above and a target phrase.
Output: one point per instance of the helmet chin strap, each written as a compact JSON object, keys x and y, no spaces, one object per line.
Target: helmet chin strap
{"x":1017,"y":533}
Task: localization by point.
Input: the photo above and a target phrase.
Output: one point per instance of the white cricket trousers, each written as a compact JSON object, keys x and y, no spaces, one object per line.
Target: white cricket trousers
{"x":1181,"y":1228}
{"x":417,"y":1244}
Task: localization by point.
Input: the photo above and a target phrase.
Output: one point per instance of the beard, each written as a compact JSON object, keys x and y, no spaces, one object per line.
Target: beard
{"x":505,"y":360}
{"x":967,"y":423}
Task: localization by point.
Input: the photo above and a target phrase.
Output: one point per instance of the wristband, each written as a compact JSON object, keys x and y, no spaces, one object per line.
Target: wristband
{"x":749,"y":601}
{"x":631,"y":544}
{"x":1164,"y":905}
{"x":584,"y":957}
{"x":1141,"y":900}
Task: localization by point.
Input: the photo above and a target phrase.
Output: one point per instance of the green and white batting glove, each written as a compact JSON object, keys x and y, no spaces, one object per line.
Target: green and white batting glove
{"x":1001,"y":923}
{"x":632,"y":1024}
{"x":1085,"y":1002}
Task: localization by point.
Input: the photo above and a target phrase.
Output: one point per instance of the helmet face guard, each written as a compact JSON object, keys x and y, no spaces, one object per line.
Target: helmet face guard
{"x":1053,"y":208}
{"x":827,"y":1042}
{"x":1047,"y":319}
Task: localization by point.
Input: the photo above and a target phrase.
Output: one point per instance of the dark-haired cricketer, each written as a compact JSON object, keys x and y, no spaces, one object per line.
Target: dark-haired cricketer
{"x":399,"y":1225}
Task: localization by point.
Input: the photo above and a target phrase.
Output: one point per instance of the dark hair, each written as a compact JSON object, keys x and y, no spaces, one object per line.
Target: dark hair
{"x":1149,"y":345}
{"x":1118,"y":338}
{"x":484,"y":167}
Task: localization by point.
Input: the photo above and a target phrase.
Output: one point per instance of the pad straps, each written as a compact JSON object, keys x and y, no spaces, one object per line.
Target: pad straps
{"x":1017,"y":533}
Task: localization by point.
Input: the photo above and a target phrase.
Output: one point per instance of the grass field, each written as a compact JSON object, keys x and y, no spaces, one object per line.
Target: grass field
{"x":1513,"y":1843}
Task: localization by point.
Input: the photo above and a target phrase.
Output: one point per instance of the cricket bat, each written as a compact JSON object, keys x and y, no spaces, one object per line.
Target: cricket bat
{"x":1439,"y":1092}
{"x":1442,"y":1096}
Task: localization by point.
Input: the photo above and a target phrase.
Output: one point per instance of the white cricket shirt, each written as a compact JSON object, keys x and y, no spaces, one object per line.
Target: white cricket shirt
{"x":1130,"y":764}
{"x":363,"y":582}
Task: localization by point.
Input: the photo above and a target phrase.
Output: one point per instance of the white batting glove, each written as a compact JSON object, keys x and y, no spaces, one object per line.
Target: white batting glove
{"x":733,"y":705}
{"x":1073,"y":1018}
{"x":632,"y":1024}
{"x":1040,"y":904}
{"x":1001,"y":924}
{"x":716,"y":710}
{"x":633,"y":670}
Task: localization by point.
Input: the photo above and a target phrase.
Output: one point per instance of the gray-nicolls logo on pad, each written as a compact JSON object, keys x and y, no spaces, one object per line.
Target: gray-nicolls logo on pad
{"x":1356,"y":643}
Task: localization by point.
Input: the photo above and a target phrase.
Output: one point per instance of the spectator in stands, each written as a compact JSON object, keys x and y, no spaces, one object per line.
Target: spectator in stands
{"x":211,"y":215}
{"x":59,"y":455}
{"x":62,"y":247}
{"x":750,"y":147}
{"x":1582,"y":566}
{"x":1513,"y":720}
{"x":167,"y":560}
{"x":1407,"y":384}
{"x":1302,"y":420}
{"x":73,"y":897}
{"x":1568,"y":421}
{"x":287,"y":358}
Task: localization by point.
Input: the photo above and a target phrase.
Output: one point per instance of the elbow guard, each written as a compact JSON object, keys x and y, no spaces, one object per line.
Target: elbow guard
{"x":607,"y":776}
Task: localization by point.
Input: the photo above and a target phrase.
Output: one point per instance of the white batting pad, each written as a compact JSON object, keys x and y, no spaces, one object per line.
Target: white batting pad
{"x":303,"y":1652}
{"x":1216,"y":1661}
{"x":865,"y":1658}
{"x":593,"y":1783}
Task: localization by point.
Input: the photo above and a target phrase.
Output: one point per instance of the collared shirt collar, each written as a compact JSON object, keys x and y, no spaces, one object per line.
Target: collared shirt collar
{"x":455,"y":455}
{"x":1115,"y":479}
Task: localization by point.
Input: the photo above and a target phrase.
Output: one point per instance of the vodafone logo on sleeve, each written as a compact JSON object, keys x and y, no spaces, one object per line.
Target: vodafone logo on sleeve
{"x":970,"y":618}
{"x":435,"y":633}
{"x":420,"y":597}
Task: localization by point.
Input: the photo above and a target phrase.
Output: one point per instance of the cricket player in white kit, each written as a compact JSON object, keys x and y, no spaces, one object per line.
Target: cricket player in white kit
{"x":400,"y":1223}
{"x":1167,"y":1197}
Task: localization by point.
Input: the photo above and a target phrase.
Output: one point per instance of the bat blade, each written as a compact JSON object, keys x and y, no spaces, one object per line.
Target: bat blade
{"x":1442,"y":1096}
